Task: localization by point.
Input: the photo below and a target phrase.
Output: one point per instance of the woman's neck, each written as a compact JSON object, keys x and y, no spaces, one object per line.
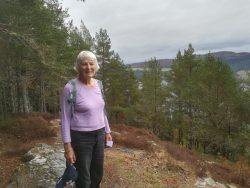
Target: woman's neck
{"x":86,"y":81}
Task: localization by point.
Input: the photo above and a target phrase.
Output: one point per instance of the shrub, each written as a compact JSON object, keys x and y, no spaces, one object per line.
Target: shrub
{"x":29,"y":126}
{"x":133,"y":137}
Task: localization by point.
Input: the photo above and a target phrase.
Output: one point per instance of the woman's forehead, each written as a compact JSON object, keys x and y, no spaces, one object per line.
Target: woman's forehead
{"x":88,"y":61}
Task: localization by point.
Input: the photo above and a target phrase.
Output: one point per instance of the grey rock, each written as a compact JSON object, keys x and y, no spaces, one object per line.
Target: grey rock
{"x":209,"y":182}
{"x":44,"y":165}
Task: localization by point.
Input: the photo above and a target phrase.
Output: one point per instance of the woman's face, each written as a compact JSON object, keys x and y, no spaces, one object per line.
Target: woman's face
{"x":87,"y":68}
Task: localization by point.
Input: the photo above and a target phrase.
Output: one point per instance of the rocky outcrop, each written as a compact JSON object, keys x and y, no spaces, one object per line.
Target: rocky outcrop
{"x":209,"y":182}
{"x":44,"y":164}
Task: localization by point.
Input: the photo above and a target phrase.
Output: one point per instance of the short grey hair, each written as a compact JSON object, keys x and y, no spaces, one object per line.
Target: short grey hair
{"x":85,"y":55}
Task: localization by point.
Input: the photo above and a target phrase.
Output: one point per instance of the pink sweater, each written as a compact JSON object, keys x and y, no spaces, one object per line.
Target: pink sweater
{"x":88,"y":112}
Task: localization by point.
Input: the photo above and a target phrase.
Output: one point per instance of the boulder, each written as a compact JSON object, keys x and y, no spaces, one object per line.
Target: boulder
{"x":43,"y":166}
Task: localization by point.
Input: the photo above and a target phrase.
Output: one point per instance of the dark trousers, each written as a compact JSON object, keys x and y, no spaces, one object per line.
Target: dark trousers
{"x":89,"y":150}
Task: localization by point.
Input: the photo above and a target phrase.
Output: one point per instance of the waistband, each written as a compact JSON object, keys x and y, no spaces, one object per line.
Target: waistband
{"x":94,"y":132}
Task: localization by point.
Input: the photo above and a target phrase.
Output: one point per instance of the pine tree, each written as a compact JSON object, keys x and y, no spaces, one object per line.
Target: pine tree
{"x":150,"y":106}
{"x":103,"y":52}
{"x":181,"y":83}
{"x":218,"y":97}
{"x":35,"y":40}
{"x":121,"y":90}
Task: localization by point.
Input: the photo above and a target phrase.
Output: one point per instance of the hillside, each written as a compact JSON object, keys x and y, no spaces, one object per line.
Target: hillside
{"x":164,"y":164}
{"x":137,"y":160}
{"x":237,"y":61}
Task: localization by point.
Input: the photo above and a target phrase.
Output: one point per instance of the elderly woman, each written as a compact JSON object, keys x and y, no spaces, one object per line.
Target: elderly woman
{"x":84,"y":125}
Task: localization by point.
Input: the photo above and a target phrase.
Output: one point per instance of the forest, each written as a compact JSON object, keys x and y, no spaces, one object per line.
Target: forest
{"x":199,"y":103}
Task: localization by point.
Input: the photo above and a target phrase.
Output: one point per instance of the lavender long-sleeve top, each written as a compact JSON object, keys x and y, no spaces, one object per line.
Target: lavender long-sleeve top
{"x":88,"y":112}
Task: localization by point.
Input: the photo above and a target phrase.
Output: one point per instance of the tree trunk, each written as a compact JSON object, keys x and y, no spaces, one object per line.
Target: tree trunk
{"x":25,"y":96}
{"x":42,"y":96}
{"x":11,"y":88}
{"x":180,"y":137}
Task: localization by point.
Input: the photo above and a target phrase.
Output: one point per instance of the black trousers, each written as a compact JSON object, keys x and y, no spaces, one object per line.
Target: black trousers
{"x":89,"y":150}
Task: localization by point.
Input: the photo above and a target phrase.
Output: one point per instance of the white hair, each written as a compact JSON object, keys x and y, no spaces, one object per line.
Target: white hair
{"x":85,"y":55}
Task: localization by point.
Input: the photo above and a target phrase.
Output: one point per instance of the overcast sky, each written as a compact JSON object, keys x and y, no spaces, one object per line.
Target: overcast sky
{"x":141,"y":29}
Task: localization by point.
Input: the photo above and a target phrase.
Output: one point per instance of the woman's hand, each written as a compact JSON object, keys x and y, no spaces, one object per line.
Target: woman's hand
{"x":108,"y":137}
{"x":69,"y":153}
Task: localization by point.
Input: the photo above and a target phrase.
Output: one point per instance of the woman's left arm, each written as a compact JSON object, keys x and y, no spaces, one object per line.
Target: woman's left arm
{"x":108,"y":136}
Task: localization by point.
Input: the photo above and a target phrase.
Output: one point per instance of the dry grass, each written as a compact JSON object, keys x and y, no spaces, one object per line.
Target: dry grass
{"x":182,"y":154}
{"x":28,"y":127}
{"x":132,"y":168}
{"x":202,"y":165}
{"x":45,"y":115}
{"x":226,"y":171}
{"x":222,"y":171}
{"x":133,"y":137}
{"x":143,"y":162}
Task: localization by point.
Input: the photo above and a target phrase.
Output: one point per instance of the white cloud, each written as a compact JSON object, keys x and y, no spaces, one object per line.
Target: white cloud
{"x":143,"y":29}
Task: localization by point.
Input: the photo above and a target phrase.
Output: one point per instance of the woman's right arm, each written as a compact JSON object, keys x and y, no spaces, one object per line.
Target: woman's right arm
{"x":65,"y":125}
{"x":69,"y":153}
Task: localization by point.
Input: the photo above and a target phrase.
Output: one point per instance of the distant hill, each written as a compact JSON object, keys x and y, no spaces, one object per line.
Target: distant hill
{"x":237,"y":61}
{"x":165,"y":63}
